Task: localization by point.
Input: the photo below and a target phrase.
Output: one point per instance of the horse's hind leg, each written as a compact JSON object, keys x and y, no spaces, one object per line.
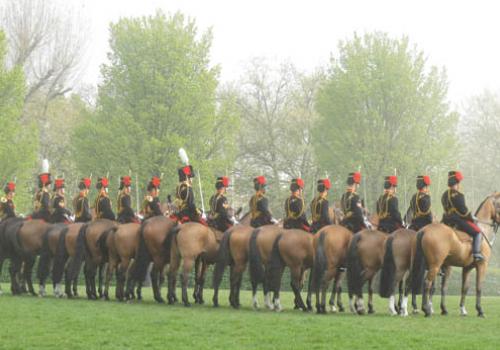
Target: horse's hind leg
{"x":337,"y":289}
{"x":109,"y":274}
{"x":102,"y":267}
{"x":201,"y":282}
{"x":15,"y":265}
{"x":465,"y":288}
{"x":172,"y":278}
{"x":444,"y":288}
{"x":371,"y":310}
{"x":197,"y":273}
{"x":429,"y":281}
{"x":28,"y":273}
{"x":1,"y":265}
{"x":296,"y":276}
{"x":155,"y":284}
{"x":188,"y":263}
{"x":309,"y":292}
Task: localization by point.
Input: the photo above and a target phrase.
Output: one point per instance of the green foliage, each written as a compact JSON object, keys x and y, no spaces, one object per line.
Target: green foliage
{"x":17,"y":142}
{"x":382,"y":108}
{"x":158,"y":94}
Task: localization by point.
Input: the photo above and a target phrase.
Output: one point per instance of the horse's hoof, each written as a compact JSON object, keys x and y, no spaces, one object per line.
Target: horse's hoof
{"x":371,"y":310}
{"x":481,"y":314}
{"x":187,"y":304}
{"x":415,"y":312}
{"x":444,"y":312}
{"x":159,"y":300}
{"x":341,"y":308}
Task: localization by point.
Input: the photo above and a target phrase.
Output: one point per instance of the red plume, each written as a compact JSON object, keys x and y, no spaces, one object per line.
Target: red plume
{"x":300,"y":182}
{"x":187,"y":170}
{"x":104,"y":182}
{"x":127,"y":181}
{"x":44,"y":178}
{"x":155,"y":181}
{"x":225,"y":181}
{"x":261,"y":180}
{"x":327,"y":183}
{"x":393,"y":180}
{"x":11,"y":186}
{"x":427,"y":180}
{"x":459,"y":176}
{"x":357,"y":177}
{"x":87,"y":182}
{"x":59,"y":183}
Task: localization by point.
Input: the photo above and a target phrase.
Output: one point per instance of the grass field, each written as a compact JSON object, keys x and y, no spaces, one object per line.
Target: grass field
{"x":30,"y":322}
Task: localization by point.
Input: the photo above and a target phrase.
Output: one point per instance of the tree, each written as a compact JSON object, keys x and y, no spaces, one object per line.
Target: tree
{"x":158,"y":94}
{"x":383,"y":108}
{"x":277,"y":117}
{"x":17,"y":141}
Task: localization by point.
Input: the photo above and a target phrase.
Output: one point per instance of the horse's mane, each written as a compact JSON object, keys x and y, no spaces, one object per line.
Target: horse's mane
{"x":493,"y":195}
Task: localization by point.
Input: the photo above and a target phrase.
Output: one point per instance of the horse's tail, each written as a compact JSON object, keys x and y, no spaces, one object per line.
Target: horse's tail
{"x":15,"y":239}
{"x":255,"y":261}
{"x":167,"y":243}
{"x":418,"y":266}
{"x":80,"y":252}
{"x":102,"y":242}
{"x":45,"y":256}
{"x":275,"y":266}
{"x":60,"y":257}
{"x":354,"y":267}
{"x":388,"y":271}
{"x":320,"y":262}
{"x":223,"y":258}
{"x":142,"y":257}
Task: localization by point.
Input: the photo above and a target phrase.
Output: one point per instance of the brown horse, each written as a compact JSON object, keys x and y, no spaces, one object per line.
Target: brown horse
{"x":331,"y":244}
{"x":259,"y":254}
{"x":292,"y":248}
{"x":439,"y":245}
{"x":197,"y":246}
{"x":154,"y":246}
{"x":91,"y":244}
{"x":48,"y":253}
{"x":396,"y":271}
{"x":68,"y":259}
{"x":122,"y":244}
{"x":8,"y":244}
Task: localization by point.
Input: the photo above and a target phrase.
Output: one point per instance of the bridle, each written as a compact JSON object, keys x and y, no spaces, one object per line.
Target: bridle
{"x":494,"y":225}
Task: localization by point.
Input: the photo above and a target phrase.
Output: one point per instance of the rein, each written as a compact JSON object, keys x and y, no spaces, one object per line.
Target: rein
{"x":495,"y":225}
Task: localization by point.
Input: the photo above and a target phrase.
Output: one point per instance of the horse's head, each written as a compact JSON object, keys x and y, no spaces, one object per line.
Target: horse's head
{"x":495,"y":201}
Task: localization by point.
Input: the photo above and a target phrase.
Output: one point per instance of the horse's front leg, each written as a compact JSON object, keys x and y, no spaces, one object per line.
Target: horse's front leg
{"x":480,"y":274}
{"x":444,"y":288}
{"x":465,"y":288}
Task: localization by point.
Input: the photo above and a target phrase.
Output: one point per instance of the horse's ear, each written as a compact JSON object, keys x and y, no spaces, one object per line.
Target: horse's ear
{"x":238,"y":212}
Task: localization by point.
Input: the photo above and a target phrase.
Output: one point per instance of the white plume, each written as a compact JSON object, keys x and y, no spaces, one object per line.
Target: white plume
{"x":45,"y":166}
{"x":183,"y":155}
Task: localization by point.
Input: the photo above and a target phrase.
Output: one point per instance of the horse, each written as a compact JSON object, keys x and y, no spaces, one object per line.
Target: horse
{"x":47,"y":254}
{"x":68,"y":259}
{"x":395,"y":271}
{"x":91,"y":244}
{"x":122,"y":243}
{"x":440,"y":245}
{"x":8,"y":229}
{"x":259,"y":254}
{"x":330,"y":244}
{"x":154,"y":246}
{"x":292,"y":248}
{"x":197,"y":245}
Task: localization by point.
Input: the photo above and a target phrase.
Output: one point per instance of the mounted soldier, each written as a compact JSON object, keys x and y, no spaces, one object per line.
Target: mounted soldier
{"x":81,"y":202}
{"x":354,"y":220}
{"x":42,"y":196}
{"x":457,"y":215}
{"x":60,"y":214}
{"x":388,"y":208}
{"x":259,"y":204}
{"x":125,"y":213}
{"x":295,"y":208}
{"x":420,"y":204}
{"x":7,"y":206}
{"x":219,"y":218}
{"x":151,"y":204}
{"x":102,"y":205}
{"x":319,"y":206}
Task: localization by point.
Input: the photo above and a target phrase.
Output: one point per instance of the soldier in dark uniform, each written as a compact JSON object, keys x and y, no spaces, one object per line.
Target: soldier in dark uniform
{"x":219,"y":217}
{"x":295,"y":208}
{"x":259,"y":205}
{"x":350,"y":202}
{"x":60,"y":213}
{"x":387,"y":207}
{"x":81,"y":202}
{"x":186,"y":206}
{"x":42,"y":198}
{"x":319,"y":207}
{"x":7,"y":206}
{"x":420,"y":204}
{"x":457,"y":215}
{"x":102,"y":202}
{"x":151,"y":205}
{"x":125,"y":213}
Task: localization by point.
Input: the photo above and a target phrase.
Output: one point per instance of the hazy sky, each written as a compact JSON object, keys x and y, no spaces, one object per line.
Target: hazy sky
{"x":463,"y":36}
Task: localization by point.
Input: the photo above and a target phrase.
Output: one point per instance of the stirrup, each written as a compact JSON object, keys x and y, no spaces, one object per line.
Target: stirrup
{"x":478,"y":257}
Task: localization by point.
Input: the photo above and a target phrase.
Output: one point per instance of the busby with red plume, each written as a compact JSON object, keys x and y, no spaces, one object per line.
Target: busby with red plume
{"x":84,"y":183}
{"x":454,"y":177}
{"x":102,"y":182}
{"x":423,"y":181}
{"x":186,"y":172}
{"x":58,"y":184}
{"x":354,"y":178}
{"x":44,"y":179}
{"x":10,"y":188}
{"x":154,"y":183}
{"x":125,"y":181}
{"x":324,"y":185}
{"x":390,"y":181}
{"x":259,"y":183}
{"x":222,"y":182}
{"x":297,"y":184}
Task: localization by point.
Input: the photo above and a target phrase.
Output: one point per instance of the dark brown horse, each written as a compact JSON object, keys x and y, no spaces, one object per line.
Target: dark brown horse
{"x":154,"y":246}
{"x":8,"y":243}
{"x":439,"y":245}
{"x":122,"y":244}
{"x":331,"y":244}
{"x":197,"y":246}
{"x":293,"y":249}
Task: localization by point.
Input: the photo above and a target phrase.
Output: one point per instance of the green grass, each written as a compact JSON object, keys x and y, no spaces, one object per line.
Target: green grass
{"x":28,"y":322}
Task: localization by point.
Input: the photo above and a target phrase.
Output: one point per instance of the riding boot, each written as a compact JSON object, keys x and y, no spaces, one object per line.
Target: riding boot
{"x":476,"y":247}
